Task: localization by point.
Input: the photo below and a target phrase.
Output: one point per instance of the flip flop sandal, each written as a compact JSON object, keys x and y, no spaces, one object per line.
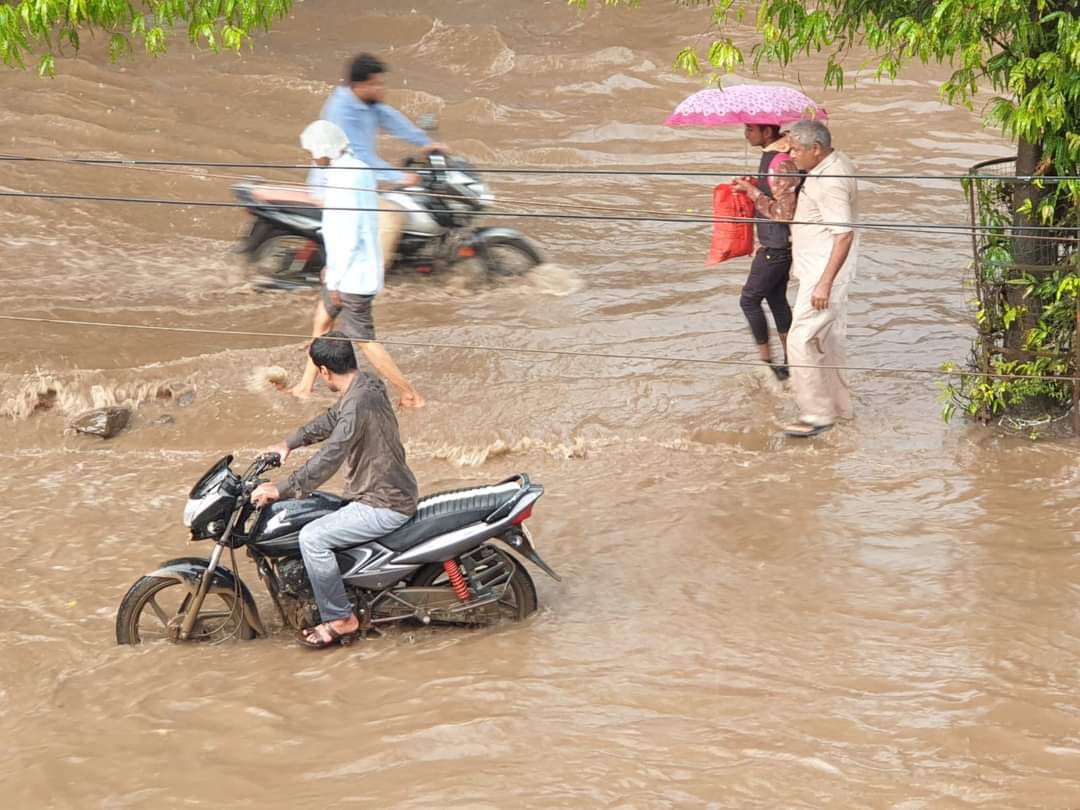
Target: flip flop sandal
{"x":344,"y":639}
{"x":804,"y":430}
{"x":780,"y":370}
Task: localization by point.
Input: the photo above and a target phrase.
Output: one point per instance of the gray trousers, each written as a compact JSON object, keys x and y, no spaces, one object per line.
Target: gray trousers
{"x":349,"y":526}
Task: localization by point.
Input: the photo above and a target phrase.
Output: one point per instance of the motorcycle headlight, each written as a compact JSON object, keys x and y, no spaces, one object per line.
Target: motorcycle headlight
{"x":208,"y":516}
{"x":196,"y":506}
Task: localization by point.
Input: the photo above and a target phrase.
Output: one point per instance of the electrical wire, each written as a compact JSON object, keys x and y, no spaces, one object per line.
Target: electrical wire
{"x":945,"y":229}
{"x":559,"y":170}
{"x":938,"y":372}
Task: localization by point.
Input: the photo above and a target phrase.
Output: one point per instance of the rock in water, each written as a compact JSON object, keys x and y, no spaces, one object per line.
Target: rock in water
{"x":103,"y":422}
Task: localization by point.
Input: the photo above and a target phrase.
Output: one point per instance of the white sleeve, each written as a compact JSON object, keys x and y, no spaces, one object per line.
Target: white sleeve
{"x":316,"y":181}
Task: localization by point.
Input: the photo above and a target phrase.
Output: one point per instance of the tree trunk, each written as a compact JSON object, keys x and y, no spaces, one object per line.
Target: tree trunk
{"x":1027,"y":246}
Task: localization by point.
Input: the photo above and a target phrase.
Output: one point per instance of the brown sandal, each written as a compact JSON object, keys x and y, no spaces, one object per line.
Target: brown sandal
{"x":344,"y":639}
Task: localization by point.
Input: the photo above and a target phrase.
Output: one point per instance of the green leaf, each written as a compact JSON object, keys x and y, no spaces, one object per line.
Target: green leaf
{"x":117,"y":45}
{"x":47,"y":66}
{"x":38,"y":27}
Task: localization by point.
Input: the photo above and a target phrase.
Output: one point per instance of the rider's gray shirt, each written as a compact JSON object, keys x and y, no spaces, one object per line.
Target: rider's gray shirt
{"x":361,"y":431}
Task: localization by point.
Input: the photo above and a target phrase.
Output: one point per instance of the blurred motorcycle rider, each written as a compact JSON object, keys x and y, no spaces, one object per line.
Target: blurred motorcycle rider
{"x":358,"y":108}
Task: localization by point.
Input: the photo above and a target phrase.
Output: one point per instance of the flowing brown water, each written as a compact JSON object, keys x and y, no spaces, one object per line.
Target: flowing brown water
{"x":885,"y":617}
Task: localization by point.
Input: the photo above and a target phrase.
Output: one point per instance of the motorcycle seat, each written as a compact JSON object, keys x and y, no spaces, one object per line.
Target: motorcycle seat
{"x":447,"y":511}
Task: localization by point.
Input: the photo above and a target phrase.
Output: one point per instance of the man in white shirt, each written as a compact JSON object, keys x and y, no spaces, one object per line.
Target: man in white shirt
{"x":354,"y":265}
{"x":825,"y":250}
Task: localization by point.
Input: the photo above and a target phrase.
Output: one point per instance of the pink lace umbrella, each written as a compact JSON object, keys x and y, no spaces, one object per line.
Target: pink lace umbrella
{"x":745,"y":104}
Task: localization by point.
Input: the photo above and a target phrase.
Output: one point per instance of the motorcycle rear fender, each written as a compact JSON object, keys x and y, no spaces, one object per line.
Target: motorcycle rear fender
{"x":189,"y":571}
{"x":520,"y":541}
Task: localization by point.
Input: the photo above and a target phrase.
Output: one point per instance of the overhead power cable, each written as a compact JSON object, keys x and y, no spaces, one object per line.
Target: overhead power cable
{"x":936,"y":372}
{"x":555,"y":170}
{"x":947,"y":229}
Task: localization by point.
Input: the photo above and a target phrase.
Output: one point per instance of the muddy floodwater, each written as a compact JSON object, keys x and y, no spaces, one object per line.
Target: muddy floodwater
{"x":887,"y":616}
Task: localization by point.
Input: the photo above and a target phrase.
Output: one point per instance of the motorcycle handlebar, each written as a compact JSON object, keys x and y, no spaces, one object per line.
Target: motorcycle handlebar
{"x":262,"y":463}
{"x":424,"y":161}
{"x":269,"y":460}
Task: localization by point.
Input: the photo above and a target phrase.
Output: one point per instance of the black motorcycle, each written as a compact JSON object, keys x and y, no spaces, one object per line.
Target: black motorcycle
{"x":443,"y":565}
{"x":284,"y":243}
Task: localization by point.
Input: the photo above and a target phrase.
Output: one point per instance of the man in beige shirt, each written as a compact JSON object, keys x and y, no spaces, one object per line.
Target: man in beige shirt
{"x":825,"y":249}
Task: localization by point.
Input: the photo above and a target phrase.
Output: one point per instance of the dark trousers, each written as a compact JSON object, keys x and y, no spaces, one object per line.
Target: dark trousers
{"x":768,"y":280}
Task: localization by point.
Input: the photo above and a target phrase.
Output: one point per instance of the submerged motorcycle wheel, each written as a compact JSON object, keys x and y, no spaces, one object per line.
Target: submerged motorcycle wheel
{"x":154,"y":607}
{"x":517,"y":603}
{"x":286,"y":261}
{"x":506,"y":257}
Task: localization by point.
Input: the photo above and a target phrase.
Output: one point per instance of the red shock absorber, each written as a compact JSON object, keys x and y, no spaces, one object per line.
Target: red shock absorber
{"x":457,"y":581}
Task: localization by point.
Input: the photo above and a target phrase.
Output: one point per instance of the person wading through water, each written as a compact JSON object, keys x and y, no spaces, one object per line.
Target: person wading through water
{"x":771,"y":268}
{"x":826,"y":251}
{"x":353,"y":275}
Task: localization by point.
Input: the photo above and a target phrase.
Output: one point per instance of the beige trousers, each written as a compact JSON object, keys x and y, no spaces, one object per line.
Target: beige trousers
{"x":391,"y":223}
{"x":817,"y":338}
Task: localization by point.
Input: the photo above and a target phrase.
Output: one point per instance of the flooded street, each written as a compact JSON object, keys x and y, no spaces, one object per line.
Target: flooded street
{"x":887,"y":616}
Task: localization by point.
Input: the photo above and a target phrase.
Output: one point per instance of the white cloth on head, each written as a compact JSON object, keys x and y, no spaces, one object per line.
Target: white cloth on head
{"x":324,"y":139}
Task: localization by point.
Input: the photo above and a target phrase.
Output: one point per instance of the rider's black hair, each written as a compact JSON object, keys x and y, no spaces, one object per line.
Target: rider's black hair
{"x":334,"y":351}
{"x":363,"y":67}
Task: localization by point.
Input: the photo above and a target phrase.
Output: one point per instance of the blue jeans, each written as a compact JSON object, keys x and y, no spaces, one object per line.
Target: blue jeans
{"x":351,"y":525}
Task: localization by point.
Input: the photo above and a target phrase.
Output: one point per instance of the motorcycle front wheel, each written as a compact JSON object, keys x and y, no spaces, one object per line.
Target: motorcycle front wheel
{"x":154,"y":607}
{"x":507,"y":256}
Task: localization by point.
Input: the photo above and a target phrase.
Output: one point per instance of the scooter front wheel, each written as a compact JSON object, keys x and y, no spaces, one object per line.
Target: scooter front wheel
{"x":154,"y":607}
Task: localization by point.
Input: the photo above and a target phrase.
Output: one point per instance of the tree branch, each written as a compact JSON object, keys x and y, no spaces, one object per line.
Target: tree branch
{"x":993,"y":38}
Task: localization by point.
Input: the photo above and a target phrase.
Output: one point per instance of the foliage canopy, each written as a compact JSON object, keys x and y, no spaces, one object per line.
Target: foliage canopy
{"x":44,"y":28}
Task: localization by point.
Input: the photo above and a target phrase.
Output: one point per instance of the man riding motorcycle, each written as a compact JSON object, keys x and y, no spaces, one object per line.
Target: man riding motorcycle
{"x":360,"y":430}
{"x":358,"y":108}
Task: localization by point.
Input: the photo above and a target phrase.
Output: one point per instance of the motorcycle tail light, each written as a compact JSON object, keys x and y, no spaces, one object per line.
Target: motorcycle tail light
{"x":523,"y":516}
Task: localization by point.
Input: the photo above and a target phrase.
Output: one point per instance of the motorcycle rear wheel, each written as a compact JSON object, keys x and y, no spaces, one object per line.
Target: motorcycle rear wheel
{"x":519,"y":600}
{"x":276,"y":261}
{"x":142,"y":618}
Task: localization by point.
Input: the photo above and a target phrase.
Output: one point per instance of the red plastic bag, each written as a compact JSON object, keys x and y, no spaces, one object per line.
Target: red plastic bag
{"x":731,"y":239}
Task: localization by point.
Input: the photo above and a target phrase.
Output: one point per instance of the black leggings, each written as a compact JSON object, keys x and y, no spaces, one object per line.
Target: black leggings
{"x":768,"y":280}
